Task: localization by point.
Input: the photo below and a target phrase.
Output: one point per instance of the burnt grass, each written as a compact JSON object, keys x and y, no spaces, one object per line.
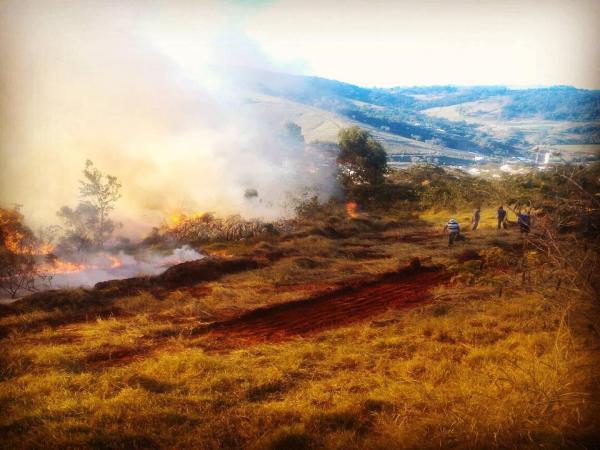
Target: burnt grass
{"x":181,"y":275}
{"x":77,"y":305}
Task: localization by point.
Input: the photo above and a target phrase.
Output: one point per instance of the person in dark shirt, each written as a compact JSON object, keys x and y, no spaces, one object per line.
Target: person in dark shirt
{"x":524,"y":222}
{"x":501,"y":217}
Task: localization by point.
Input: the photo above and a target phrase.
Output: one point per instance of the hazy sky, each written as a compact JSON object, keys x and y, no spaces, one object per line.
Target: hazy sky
{"x":387,"y":43}
{"x":407,"y":42}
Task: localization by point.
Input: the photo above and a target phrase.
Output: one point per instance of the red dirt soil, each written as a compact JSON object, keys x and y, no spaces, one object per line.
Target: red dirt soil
{"x":334,"y":309}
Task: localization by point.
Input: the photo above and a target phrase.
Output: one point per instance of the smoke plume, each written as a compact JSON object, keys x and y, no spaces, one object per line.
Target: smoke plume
{"x":145,"y":93}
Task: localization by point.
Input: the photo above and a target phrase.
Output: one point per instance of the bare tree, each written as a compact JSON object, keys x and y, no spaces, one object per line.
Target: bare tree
{"x":17,"y":272}
{"x":89,"y":224}
{"x":101,"y":192}
{"x":565,"y":230}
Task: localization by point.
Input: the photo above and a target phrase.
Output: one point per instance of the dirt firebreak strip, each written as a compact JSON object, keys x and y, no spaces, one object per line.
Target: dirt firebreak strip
{"x":331,"y":310}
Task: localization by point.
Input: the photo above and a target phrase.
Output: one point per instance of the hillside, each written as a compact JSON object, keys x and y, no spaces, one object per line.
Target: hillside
{"x":320,"y":124}
{"x":348,"y":329}
{"x":451,"y":124}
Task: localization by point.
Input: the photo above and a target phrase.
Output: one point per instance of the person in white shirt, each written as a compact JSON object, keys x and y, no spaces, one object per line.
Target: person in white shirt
{"x":453,"y":231}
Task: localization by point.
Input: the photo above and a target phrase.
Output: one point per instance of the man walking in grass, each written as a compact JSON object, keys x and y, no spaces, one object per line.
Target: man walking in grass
{"x":453,"y":231}
{"x":475,"y":219}
{"x":501,"y":217}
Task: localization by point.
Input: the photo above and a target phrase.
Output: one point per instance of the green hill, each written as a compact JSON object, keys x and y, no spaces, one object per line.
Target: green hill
{"x":448,"y":122}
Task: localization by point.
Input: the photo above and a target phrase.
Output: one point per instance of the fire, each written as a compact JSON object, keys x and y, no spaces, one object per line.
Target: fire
{"x":352,"y":209}
{"x":114,"y":261}
{"x":45,"y":249}
{"x":220,"y":253}
{"x":14,"y":242}
{"x":59,"y":266}
{"x":176,"y":219}
{"x":179,"y":217}
{"x":54,"y":265}
{"x":17,"y":238}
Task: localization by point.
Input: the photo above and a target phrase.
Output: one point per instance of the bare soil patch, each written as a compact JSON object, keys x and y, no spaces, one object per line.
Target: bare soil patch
{"x":344,"y":306}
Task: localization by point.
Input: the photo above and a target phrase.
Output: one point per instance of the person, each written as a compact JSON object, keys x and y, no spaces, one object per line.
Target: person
{"x":453,"y":231}
{"x":475,"y":219}
{"x":524,"y":222}
{"x":501,"y":217}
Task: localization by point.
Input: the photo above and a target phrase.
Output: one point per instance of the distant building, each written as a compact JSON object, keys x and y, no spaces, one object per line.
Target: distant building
{"x":543,"y":153}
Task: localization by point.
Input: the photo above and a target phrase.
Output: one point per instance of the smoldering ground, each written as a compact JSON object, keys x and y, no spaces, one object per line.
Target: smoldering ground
{"x":87,"y":269}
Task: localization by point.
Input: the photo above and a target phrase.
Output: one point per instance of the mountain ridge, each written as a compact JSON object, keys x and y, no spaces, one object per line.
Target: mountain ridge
{"x":523,"y":118}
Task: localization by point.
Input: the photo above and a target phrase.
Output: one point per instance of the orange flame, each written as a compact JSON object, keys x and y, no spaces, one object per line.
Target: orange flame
{"x":17,"y":243}
{"x":45,"y":249}
{"x":179,"y":217}
{"x":60,"y":266}
{"x":18,"y":239}
{"x":352,"y":209}
{"x":53,"y":265}
{"x":176,"y":219}
{"x":220,"y":253}
{"x":14,"y":242}
{"x":114,"y":261}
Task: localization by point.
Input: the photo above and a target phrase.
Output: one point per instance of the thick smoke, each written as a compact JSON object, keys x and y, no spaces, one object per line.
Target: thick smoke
{"x":142,"y":92}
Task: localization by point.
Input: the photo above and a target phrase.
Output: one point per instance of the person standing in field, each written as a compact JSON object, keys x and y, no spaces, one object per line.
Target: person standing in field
{"x":524,"y":222}
{"x":453,"y":231}
{"x":476,"y":218}
{"x":501,"y":217}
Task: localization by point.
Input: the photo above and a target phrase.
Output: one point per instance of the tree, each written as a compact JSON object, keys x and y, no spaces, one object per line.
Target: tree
{"x":18,"y":268}
{"x":293,"y":132}
{"x":101,"y":192}
{"x":89,"y":225}
{"x":362,"y":159}
{"x":564,"y":202}
{"x":80,"y":223}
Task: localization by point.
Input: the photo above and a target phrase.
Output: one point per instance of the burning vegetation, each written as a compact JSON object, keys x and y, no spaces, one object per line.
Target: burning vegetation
{"x":205,"y":227}
{"x":78,"y":253}
{"x":32,"y":261}
{"x":18,"y":254}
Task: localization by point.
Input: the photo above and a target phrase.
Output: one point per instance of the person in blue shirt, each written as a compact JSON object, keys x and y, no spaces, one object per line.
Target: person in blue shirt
{"x":453,"y":231}
{"x":524,"y":222}
{"x":501,"y":217}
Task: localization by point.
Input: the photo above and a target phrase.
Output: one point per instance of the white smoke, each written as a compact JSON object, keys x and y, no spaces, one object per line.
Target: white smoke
{"x":93,"y":268}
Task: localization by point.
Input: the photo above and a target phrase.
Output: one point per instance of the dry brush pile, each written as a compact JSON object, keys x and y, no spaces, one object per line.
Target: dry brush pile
{"x":208,"y":228}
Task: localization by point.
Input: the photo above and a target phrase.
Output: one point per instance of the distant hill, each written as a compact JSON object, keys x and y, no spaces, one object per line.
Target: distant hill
{"x":451,"y":123}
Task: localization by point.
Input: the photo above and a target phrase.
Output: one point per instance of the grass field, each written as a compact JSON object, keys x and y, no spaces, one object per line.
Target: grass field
{"x":487,"y":113}
{"x":489,"y":359}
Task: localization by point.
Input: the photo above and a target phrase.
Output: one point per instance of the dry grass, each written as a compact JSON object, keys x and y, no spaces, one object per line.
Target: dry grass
{"x":469,"y":370}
